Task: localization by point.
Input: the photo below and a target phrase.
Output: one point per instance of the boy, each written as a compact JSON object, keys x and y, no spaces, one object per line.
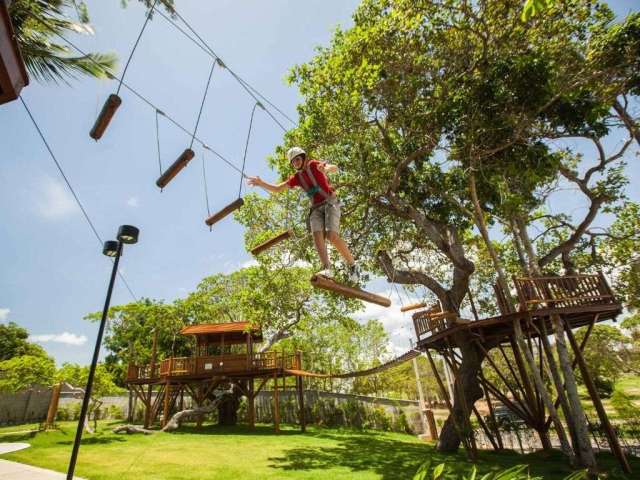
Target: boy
{"x":311,"y":176}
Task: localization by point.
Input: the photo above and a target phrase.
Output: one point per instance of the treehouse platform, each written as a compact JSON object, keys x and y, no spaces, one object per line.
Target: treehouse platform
{"x":579,"y":300}
{"x":223,"y":358}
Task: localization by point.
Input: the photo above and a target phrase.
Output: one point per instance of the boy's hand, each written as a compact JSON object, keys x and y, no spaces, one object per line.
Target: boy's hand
{"x":254,"y":181}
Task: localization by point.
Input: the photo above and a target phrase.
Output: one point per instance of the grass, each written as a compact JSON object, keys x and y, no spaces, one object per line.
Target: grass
{"x":629,"y":384}
{"x":238,"y":453}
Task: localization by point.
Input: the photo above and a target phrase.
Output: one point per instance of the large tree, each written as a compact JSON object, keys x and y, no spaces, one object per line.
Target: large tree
{"x":441,"y":114}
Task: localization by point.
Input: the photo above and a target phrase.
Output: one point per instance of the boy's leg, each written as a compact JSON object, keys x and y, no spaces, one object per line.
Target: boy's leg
{"x":341,"y":246}
{"x":321,"y":247}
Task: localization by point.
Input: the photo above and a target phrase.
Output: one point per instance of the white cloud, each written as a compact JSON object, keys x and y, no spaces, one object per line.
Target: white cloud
{"x":65,"y":338}
{"x":133,"y":202}
{"x":398,"y":325}
{"x":55,"y":201}
{"x":4,"y":313}
{"x":249,"y":263}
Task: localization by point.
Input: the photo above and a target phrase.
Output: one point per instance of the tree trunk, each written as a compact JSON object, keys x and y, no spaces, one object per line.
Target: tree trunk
{"x":228,"y":408}
{"x":586,"y":454}
{"x":466,"y":381}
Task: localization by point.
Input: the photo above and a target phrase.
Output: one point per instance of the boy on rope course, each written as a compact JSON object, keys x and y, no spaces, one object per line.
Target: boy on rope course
{"x":324,"y":215}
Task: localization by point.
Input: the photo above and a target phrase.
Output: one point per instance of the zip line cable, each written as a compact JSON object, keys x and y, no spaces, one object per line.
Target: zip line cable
{"x":135,"y":45}
{"x":73,"y":192}
{"x":152,"y":105}
{"x":206,"y":49}
{"x":204,"y":45}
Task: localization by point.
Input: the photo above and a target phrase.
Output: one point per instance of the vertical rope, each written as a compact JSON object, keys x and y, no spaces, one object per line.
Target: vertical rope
{"x":158,"y":112}
{"x":246,"y":146}
{"x":124,"y":72}
{"x":204,"y":98}
{"x":206,"y":189}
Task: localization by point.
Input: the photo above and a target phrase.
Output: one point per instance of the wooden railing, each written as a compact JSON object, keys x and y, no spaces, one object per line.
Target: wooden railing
{"x":197,"y":366}
{"x":563,"y":292}
{"x":433,"y":320}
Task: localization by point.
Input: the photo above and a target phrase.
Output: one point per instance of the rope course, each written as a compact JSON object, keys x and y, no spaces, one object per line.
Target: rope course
{"x":72,"y":190}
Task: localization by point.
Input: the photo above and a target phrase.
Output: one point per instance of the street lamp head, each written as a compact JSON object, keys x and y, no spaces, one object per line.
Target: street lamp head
{"x":110,"y":248}
{"x":128,"y":234}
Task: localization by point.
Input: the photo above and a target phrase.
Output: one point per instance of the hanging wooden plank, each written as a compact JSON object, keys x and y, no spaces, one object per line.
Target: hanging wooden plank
{"x":106,"y":114}
{"x":413,"y":306}
{"x":326,"y":283}
{"x":216,"y":217}
{"x":175,"y":168}
{"x":13,"y":74}
{"x":270,"y":243}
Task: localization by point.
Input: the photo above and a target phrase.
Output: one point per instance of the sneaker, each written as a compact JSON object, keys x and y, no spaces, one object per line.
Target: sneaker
{"x":354,"y":273}
{"x":326,"y":272}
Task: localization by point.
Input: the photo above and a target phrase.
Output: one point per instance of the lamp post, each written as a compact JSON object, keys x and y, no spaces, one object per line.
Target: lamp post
{"x":127,"y":234}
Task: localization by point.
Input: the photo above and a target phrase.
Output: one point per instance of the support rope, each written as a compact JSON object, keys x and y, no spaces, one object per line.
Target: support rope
{"x":135,"y":46}
{"x":152,"y":105}
{"x":73,"y":192}
{"x":204,"y":98}
{"x":246,"y":145}
{"x":158,"y":112}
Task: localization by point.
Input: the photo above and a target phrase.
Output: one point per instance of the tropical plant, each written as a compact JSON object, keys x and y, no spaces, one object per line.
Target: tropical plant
{"x":25,"y":371}
{"x":39,"y":25}
{"x":518,"y":472}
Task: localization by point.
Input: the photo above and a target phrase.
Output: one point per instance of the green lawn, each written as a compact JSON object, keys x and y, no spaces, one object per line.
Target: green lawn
{"x":238,"y":453}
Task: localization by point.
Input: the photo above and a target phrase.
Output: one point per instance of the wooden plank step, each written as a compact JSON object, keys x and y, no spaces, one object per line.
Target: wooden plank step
{"x":413,"y":306}
{"x":270,"y":243}
{"x":216,"y":217}
{"x":326,"y":283}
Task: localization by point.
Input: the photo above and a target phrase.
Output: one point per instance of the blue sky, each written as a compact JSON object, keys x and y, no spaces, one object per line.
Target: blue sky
{"x":53,"y":272}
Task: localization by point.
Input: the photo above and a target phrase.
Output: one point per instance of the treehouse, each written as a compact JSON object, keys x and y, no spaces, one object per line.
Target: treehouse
{"x":223,"y":356}
{"x":220,"y":349}
{"x":13,"y":74}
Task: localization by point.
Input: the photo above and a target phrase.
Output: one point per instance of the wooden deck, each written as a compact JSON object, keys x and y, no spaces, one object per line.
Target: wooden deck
{"x":202,"y":367}
{"x":579,"y":300}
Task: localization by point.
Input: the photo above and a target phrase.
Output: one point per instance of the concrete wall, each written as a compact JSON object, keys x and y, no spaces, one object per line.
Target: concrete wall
{"x":27,"y":406}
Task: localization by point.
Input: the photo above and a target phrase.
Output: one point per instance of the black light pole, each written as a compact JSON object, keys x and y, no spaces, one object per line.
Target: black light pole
{"x":126,"y":234}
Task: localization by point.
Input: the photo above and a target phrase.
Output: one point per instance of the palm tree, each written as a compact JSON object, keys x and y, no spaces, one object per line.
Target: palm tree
{"x":38,"y":25}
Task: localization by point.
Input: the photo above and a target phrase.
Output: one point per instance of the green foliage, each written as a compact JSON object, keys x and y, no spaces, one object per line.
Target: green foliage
{"x":77,"y":375}
{"x":604,"y":354}
{"x":534,"y":7}
{"x":24,"y":371}
{"x":14,"y":342}
{"x":624,"y":405}
{"x":38,"y":24}
{"x":517,"y":472}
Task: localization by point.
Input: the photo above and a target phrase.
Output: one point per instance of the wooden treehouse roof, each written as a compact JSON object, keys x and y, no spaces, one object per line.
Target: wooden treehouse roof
{"x":232,"y":331}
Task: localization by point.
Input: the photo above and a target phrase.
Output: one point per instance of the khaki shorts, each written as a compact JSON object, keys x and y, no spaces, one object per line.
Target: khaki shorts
{"x":325,"y":217}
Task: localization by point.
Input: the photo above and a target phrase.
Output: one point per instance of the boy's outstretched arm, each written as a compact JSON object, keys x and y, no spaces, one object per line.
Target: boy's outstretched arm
{"x":270,"y":187}
{"x":328,"y":167}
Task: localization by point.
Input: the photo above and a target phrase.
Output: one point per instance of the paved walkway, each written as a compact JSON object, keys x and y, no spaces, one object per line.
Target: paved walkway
{"x":20,"y":471}
{"x":12,"y":447}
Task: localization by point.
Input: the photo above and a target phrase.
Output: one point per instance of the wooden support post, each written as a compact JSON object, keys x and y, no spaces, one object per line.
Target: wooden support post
{"x":165,"y":411}
{"x":421,"y":404}
{"x":276,"y":405}
{"x":251,"y":404}
{"x":303,"y":418}
{"x":154,"y":351}
{"x":271,"y":242}
{"x":614,"y":443}
{"x":494,"y":422}
{"x":216,"y":217}
{"x":53,"y":406}
{"x":106,"y":114}
{"x":431,"y":421}
{"x":326,"y":283}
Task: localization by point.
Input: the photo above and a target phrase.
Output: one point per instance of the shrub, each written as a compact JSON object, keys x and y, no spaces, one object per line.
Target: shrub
{"x":519,"y":472}
{"x":624,"y":406}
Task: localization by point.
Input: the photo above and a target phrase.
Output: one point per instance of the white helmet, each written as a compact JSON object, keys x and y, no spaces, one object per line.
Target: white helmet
{"x":293,"y":152}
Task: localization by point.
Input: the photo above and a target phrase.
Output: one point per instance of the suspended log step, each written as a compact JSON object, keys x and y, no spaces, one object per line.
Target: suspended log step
{"x":326,"y":283}
{"x":13,"y":74}
{"x":175,"y":168}
{"x":106,"y":114}
{"x":413,"y":306}
{"x":232,"y":207}
{"x":270,"y":243}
